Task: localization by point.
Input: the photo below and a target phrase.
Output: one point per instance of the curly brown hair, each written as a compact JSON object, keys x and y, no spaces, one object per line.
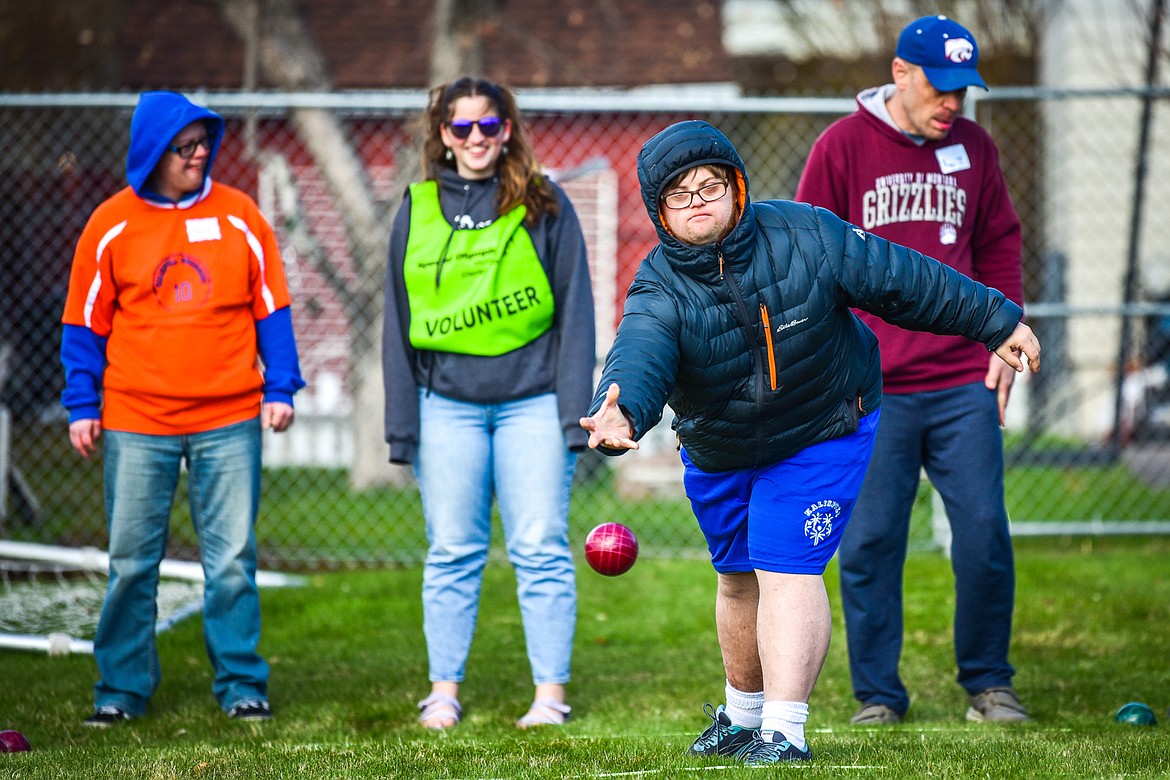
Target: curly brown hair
{"x":521,"y":179}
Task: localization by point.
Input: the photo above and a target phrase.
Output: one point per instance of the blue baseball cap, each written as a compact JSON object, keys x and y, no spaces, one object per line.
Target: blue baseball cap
{"x":944,"y":49}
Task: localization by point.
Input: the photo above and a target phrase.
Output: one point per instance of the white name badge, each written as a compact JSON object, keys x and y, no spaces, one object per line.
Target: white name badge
{"x":952,"y":158}
{"x":205,"y":229}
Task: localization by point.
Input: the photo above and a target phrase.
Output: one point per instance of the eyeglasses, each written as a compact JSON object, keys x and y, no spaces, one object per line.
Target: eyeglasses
{"x":490,"y":126}
{"x":682,"y":199}
{"x":187,"y":150}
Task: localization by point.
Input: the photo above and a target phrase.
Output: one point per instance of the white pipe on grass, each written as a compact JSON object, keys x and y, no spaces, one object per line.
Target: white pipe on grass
{"x":93,"y":559}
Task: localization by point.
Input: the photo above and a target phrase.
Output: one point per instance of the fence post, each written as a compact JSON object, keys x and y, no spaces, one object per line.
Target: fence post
{"x":940,"y":525}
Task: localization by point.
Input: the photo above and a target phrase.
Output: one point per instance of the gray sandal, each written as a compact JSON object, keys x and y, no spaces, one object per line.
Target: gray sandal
{"x":440,"y":707}
{"x":545,"y":712}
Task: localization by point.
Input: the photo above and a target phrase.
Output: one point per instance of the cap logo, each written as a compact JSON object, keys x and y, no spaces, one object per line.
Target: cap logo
{"x":958,"y":49}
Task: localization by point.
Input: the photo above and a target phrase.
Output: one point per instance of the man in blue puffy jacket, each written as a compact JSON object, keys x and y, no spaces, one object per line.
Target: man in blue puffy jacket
{"x":740,"y":320}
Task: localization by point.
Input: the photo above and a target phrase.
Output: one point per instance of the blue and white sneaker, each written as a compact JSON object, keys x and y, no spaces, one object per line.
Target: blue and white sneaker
{"x":105,"y":716}
{"x":250,"y":710}
{"x":761,"y":751}
{"x":722,"y":738}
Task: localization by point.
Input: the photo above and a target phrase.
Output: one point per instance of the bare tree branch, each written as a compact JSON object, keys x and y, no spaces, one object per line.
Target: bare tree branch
{"x":289,"y":58}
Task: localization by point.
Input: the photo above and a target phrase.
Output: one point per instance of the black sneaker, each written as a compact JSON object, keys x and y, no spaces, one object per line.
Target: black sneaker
{"x":721,"y":738}
{"x":251,"y":709}
{"x":761,"y":751}
{"x":106,"y":716}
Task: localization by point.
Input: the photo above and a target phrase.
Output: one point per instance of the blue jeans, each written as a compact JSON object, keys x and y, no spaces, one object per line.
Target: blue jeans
{"x":955,"y":436}
{"x":515,"y":451}
{"x":141,"y":473}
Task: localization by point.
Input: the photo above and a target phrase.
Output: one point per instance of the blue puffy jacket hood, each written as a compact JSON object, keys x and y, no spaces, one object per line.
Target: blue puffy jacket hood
{"x":158,"y":118}
{"x":678,"y":148}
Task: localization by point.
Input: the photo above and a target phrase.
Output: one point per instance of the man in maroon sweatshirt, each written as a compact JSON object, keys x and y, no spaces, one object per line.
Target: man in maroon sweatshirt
{"x":908,"y":167}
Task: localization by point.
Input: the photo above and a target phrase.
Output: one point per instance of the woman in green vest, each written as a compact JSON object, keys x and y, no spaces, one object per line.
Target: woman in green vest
{"x":488,"y":354}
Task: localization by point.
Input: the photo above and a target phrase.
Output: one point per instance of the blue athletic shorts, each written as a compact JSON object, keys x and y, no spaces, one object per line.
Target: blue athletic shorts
{"x":787,"y":517}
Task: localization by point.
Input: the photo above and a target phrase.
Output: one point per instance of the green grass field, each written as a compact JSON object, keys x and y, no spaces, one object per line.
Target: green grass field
{"x":348,"y":665}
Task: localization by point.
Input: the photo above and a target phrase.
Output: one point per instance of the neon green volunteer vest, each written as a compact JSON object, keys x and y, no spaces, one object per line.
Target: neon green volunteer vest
{"x":474,"y":292}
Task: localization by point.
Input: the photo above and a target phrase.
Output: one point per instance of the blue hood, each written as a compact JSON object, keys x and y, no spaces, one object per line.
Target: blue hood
{"x":678,"y":148}
{"x":158,"y":117}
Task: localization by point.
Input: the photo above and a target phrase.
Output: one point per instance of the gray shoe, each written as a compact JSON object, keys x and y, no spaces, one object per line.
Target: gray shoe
{"x":997,"y":705}
{"x":874,"y":714}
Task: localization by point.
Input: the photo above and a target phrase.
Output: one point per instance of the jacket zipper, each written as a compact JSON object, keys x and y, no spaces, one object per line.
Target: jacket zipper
{"x":749,"y":328}
{"x":768,"y":343}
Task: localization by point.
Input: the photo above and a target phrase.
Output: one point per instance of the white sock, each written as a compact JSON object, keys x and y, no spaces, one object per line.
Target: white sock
{"x":787,"y":717}
{"x":744,"y":708}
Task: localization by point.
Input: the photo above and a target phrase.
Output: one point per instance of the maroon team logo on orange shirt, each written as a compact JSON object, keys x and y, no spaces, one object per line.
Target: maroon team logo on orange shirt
{"x":180,"y":282}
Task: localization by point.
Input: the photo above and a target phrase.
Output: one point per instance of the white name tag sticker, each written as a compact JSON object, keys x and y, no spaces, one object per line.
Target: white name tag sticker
{"x":952,"y":158}
{"x":205,"y":229}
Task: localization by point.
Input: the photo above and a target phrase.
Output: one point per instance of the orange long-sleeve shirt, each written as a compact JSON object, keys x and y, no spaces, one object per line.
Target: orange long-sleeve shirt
{"x":177,"y":293}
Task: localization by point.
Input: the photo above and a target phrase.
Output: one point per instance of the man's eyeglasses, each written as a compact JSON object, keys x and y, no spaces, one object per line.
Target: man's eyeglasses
{"x":490,"y":126}
{"x":682,"y":199}
{"x":187,"y":150}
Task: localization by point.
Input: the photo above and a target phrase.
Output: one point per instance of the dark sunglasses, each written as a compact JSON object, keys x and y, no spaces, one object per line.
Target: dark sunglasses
{"x":187,"y":150}
{"x":490,"y":126}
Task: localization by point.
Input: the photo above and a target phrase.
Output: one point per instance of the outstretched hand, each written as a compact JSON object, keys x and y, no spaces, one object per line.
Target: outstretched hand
{"x":608,"y":427}
{"x":1022,"y":341}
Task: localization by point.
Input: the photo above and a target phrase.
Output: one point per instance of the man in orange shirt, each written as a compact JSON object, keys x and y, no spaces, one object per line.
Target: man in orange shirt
{"x":178,"y":345}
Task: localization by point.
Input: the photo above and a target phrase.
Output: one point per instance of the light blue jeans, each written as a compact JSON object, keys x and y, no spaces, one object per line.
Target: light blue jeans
{"x":141,"y":473}
{"x":516,"y":452}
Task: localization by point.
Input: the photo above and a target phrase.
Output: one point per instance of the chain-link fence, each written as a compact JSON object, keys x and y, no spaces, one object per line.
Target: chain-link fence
{"x":1088,"y":438}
